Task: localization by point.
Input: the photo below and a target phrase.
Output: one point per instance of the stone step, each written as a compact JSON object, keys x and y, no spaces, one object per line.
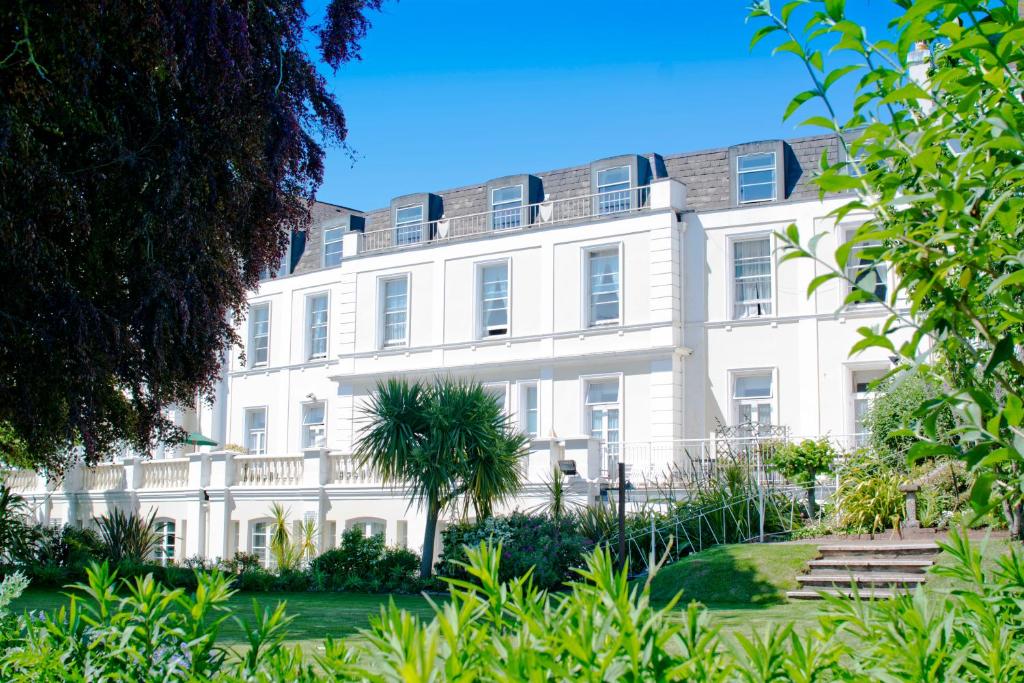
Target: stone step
{"x":809,"y":594}
{"x":879,"y":550}
{"x":863,"y":580}
{"x":904,"y":565}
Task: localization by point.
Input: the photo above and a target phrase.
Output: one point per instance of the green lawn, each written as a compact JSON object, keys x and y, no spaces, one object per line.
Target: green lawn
{"x":742,"y":586}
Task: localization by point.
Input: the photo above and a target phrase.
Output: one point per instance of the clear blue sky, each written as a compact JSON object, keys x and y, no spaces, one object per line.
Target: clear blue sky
{"x":454,"y":92}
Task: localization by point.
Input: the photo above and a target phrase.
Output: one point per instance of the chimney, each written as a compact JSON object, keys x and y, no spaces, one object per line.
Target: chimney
{"x":918,"y":62}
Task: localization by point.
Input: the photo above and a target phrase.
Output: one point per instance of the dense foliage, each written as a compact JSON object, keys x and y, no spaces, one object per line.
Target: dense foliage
{"x":934,"y":154}
{"x":605,"y":628}
{"x":364,"y":564}
{"x":548,"y":547}
{"x":892,"y":415}
{"x":442,"y":442}
{"x":154,"y":157}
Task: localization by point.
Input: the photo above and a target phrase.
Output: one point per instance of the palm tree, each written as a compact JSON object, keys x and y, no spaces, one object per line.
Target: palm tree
{"x":441,"y":441}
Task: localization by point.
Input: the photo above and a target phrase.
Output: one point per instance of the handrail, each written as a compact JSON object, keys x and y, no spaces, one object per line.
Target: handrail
{"x":550,"y":212}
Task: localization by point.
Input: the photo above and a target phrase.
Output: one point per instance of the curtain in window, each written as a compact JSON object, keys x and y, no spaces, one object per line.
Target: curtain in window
{"x":604,"y":286}
{"x":753,"y":278}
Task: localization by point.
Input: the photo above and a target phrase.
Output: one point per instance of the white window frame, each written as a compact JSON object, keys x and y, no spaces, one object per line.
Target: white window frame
{"x":504,"y":389}
{"x":250,"y":359}
{"x":845,"y":233}
{"x":367,"y":524}
{"x":382,"y":282}
{"x":266,"y":558}
{"x":331,"y":242}
{"x":482,"y":332}
{"x":284,"y":269}
{"x":774,"y":168}
{"x":400,"y":224}
{"x":587,"y":422}
{"x":588,"y":309}
{"x":160,"y":552}
{"x":507,"y":217}
{"x":772,"y":399}
{"x":305,"y":431}
{"x":326,"y":326}
{"x":853,"y":395}
{"x":617,"y":205}
{"x":731,"y":269}
{"x":522,"y":389}
{"x":246,"y":430}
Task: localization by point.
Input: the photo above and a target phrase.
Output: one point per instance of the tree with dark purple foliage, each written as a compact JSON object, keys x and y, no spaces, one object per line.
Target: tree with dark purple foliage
{"x":154,"y":157}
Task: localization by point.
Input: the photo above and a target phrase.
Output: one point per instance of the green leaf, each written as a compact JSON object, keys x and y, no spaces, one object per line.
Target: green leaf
{"x":797,"y":102}
{"x":835,"y":9}
{"x":928,"y":449}
{"x":836,"y":74}
{"x":1000,"y":354}
{"x":819,"y":281}
{"x":981,"y":492}
{"x":762,"y":33}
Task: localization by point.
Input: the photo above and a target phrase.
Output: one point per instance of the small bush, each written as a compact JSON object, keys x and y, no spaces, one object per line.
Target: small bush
{"x":869,"y":498}
{"x":551,"y":549}
{"x":365,"y":565}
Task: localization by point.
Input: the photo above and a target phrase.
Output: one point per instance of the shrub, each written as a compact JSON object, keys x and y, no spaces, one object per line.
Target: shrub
{"x":365,"y":564}
{"x":128,"y":536}
{"x":802,"y":462}
{"x":869,"y":498}
{"x":551,"y":549}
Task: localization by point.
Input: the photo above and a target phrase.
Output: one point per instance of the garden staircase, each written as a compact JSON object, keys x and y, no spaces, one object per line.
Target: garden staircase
{"x":878,"y":569}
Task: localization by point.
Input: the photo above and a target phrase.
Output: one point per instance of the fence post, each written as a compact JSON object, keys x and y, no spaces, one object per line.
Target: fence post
{"x":760,"y":498}
{"x":622,"y":515}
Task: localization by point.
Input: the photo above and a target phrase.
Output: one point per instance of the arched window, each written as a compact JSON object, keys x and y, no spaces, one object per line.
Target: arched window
{"x":370,"y":526}
{"x":166,"y":539}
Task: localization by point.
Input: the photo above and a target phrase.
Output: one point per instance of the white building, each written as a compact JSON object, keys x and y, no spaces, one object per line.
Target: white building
{"x":626,"y":308}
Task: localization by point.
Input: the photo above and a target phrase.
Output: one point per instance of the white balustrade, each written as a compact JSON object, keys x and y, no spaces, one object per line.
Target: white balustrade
{"x":262,"y":470}
{"x":345,"y":469}
{"x":20,"y":481}
{"x":164,"y":474}
{"x":104,"y":478}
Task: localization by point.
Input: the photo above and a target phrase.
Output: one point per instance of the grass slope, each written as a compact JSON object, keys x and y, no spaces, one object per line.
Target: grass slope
{"x":748,"y":574}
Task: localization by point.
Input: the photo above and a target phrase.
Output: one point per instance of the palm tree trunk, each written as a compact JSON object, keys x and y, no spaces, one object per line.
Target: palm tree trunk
{"x":427,"y":561}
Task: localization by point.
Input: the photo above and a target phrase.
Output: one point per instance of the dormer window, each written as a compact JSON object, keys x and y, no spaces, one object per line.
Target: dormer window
{"x":755,"y":177}
{"x":613,"y":185}
{"x":506,"y":207}
{"x":409,"y":224}
{"x":332,"y":246}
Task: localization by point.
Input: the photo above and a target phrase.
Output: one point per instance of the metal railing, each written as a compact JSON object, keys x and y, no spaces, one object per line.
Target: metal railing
{"x":268,"y":470}
{"x":662,"y":463}
{"x":164,"y":474}
{"x":550,"y":212}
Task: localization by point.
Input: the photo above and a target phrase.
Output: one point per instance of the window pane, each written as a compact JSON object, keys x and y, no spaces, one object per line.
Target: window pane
{"x":506,"y":207}
{"x":753,"y":386}
{"x":256,"y":431}
{"x":604,"y":286}
{"x":610,"y":176}
{"x":395,"y":311}
{"x":259,"y":333}
{"x":530,"y":412}
{"x":613,"y":188}
{"x":508,"y":194}
{"x":313,"y":431}
{"x":494,"y":298}
{"x":756,"y":177}
{"x":317,"y":322}
{"x":497,"y":391}
{"x":409,"y":224}
{"x":866,"y":272}
{"x":751,"y":162}
{"x":605,"y":391}
{"x":332,"y":246}
{"x":752,"y":273}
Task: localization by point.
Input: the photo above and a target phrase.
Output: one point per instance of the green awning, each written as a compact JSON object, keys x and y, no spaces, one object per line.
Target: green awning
{"x":198,"y":439}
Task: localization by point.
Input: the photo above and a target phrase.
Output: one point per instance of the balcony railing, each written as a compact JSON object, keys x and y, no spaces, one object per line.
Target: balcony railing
{"x":603,"y":205}
{"x":164,"y":474}
{"x":104,"y":478}
{"x":345,"y":469}
{"x":261,"y":470}
{"x":20,"y":481}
